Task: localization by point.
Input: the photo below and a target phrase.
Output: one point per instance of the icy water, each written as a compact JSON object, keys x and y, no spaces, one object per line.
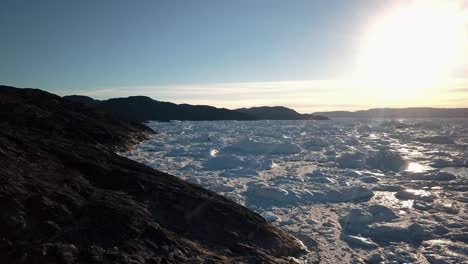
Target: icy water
{"x":353,"y":191}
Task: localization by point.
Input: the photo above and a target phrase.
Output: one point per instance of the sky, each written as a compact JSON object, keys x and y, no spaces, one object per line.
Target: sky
{"x":304,"y":54}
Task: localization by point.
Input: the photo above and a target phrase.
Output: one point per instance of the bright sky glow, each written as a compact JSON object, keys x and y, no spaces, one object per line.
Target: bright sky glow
{"x":415,"y":45}
{"x":308,"y":55}
{"x":305,"y":96}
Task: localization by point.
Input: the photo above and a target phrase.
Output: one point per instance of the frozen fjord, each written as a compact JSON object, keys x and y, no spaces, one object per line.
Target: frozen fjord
{"x":357,"y":191}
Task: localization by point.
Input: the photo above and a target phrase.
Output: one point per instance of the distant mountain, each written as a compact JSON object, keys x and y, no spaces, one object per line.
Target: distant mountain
{"x":142,"y":108}
{"x":83,"y":99}
{"x":278,"y":113}
{"x":412,"y":112}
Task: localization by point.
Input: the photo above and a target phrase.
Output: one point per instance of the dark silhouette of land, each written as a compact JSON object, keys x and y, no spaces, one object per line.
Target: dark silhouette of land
{"x":412,"y":112}
{"x":278,"y":113}
{"x":66,"y":197}
{"x":142,"y":108}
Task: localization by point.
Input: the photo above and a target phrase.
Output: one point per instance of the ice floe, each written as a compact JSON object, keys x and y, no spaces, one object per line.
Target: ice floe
{"x":249,"y":146}
{"x":381,"y":191}
{"x":223,"y":162}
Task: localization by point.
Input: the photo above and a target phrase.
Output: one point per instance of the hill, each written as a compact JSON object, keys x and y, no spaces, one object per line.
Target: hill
{"x":67,"y":197}
{"x":278,"y":113}
{"x":142,"y":108}
{"x":415,"y":112}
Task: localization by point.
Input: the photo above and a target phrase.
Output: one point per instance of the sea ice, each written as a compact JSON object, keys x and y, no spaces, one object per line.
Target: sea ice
{"x":385,"y":160}
{"x":270,"y":194}
{"x":435,"y":140}
{"x":271,"y":217}
{"x":223,"y":162}
{"x":431,"y":176}
{"x":359,"y":241}
{"x":395,"y":191}
{"x":408,"y":194}
{"x":245,"y":147}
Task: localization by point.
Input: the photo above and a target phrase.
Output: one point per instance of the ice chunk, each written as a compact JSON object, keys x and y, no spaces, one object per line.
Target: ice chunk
{"x":353,"y":160}
{"x":381,"y":213}
{"x":176,"y":152}
{"x":351,"y":194}
{"x":411,"y":194}
{"x":244,"y":147}
{"x":375,"y":258}
{"x":271,"y":217}
{"x":359,"y":241}
{"x":261,"y":164}
{"x":387,"y":233}
{"x":385,"y":160}
{"x":435,"y":140}
{"x":445,"y":251}
{"x":356,"y":218}
{"x":316,"y":174}
{"x":431,"y":176}
{"x":323,"y":180}
{"x":213,"y":152}
{"x":369,"y":179}
{"x":223,"y":162}
{"x":263,"y":191}
{"x":244,"y":172}
{"x":316,"y":143}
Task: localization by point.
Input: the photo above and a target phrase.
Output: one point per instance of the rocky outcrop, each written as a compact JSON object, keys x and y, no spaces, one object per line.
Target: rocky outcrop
{"x":66,"y":197}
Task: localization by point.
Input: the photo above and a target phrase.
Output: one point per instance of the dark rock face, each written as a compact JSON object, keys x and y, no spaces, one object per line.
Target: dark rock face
{"x":66,"y":197}
{"x":88,"y":101}
{"x":142,"y":108}
{"x":278,"y":113}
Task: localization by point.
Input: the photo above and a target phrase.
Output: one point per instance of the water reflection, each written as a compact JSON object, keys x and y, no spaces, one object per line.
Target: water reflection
{"x":417,"y":167}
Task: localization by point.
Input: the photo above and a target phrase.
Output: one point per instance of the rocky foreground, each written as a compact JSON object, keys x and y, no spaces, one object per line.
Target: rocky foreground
{"x":66,"y":197}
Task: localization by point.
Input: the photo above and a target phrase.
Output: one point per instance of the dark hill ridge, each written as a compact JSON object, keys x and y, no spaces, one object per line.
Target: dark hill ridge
{"x":278,"y":113}
{"x":412,"y":112}
{"x":66,"y":197}
{"x":83,"y":99}
{"x":142,"y":108}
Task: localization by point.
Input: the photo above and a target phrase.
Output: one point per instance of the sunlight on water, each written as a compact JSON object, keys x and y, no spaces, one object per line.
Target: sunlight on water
{"x":213,"y":152}
{"x":416,"y":167}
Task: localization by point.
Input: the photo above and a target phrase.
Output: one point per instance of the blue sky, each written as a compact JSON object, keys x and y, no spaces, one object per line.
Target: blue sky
{"x":165,"y":48}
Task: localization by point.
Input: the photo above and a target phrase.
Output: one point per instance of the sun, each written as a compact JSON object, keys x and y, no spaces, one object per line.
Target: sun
{"x":414,"y":46}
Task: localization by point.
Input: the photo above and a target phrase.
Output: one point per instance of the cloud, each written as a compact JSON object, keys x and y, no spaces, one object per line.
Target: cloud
{"x":302,"y":95}
{"x":318,"y":86}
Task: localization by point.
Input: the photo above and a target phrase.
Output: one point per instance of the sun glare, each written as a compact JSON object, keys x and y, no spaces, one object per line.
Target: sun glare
{"x":415,"y":46}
